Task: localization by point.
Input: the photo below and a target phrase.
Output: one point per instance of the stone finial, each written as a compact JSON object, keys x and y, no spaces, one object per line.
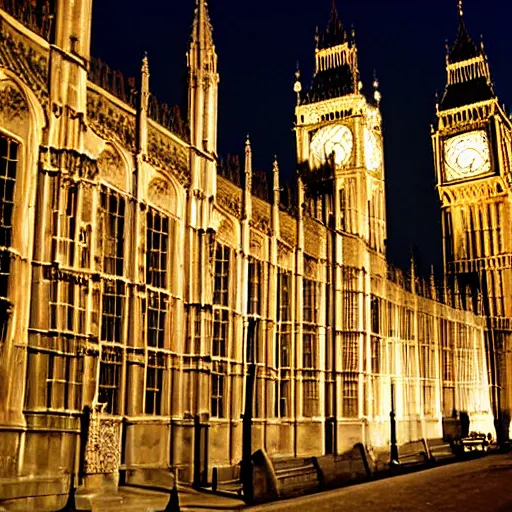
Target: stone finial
{"x":376,"y":94}
{"x":459,"y":7}
{"x":276,"y":197}
{"x":433,"y":289}
{"x":297,"y":86}
{"x":143,"y":109}
{"x":412,"y":272}
{"x":145,"y":64}
{"x":275,"y":175}
{"x":248,"y":164}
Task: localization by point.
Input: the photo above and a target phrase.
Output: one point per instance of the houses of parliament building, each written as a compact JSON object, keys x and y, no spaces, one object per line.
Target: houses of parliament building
{"x":142,"y":283}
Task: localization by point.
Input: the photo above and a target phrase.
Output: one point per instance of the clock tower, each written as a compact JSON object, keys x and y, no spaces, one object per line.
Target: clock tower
{"x":339,"y":142}
{"x":472,"y":148}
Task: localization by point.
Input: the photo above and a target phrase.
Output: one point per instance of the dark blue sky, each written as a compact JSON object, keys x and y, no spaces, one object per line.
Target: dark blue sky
{"x":259,"y":43}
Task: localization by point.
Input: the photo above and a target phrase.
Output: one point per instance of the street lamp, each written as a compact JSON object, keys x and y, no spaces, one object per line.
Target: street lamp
{"x":246,"y":466}
{"x":392,"y":423}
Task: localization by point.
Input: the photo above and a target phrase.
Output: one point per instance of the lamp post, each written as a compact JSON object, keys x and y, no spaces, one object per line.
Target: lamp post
{"x":392,"y":423}
{"x":246,"y":469}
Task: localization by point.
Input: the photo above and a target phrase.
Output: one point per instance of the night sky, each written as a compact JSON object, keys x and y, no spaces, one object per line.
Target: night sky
{"x":259,"y":44}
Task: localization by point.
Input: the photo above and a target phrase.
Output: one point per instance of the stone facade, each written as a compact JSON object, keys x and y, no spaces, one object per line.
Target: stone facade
{"x":131,"y":270}
{"x":472,"y":152}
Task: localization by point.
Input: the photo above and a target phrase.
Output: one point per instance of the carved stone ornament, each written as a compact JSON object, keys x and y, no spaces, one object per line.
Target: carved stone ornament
{"x":12,"y":103}
{"x":112,"y":168}
{"x":102,"y":451}
{"x":288,"y":229}
{"x":229,"y":198}
{"x":475,"y":192}
{"x":110,"y":121}
{"x":168,"y":155}
{"x":227,"y":232}
{"x":29,"y":63}
{"x":260,"y":219}
{"x":256,"y":245}
{"x":284,"y":255}
{"x":310,"y":268}
{"x":69,"y":160}
{"x":160,"y":193}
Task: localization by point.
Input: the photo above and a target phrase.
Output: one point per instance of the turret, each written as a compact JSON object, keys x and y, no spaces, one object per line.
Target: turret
{"x":203,"y":81}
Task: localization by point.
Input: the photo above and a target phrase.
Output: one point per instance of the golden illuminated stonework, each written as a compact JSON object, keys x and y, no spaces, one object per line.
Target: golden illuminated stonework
{"x":166,"y":315}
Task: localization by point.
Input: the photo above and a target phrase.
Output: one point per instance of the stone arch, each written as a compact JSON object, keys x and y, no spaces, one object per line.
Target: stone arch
{"x":22,"y":120}
{"x":17,"y":101}
{"x":227,"y":232}
{"x":162,"y":192}
{"x":113,"y":167}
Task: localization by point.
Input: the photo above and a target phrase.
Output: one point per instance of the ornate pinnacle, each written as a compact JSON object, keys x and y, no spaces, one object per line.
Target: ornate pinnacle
{"x":459,"y":6}
{"x":377,"y":95}
{"x":275,"y":172}
{"x":297,"y":86}
{"x":248,"y":162}
{"x":145,"y":64}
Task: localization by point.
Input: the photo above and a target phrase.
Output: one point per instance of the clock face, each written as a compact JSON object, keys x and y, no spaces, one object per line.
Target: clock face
{"x":466,"y":155}
{"x":337,"y":139}
{"x":372,"y":150}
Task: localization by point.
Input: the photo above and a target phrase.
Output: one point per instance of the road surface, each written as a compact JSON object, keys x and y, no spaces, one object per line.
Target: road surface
{"x":481,"y":485}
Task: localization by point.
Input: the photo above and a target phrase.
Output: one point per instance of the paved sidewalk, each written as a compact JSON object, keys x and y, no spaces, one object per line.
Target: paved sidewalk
{"x":136,"y":499}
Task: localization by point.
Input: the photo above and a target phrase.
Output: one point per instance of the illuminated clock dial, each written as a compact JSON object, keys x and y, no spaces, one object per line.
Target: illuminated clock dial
{"x":372,"y":150}
{"x":466,"y":155}
{"x":337,"y":139}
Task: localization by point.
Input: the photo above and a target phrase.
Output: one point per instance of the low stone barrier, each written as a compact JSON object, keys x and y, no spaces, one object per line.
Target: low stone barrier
{"x":264,"y":478}
{"x":338,"y":470}
{"x":286,"y":478}
{"x":413,"y":453}
{"x":296,"y":476}
{"x":439,"y":450}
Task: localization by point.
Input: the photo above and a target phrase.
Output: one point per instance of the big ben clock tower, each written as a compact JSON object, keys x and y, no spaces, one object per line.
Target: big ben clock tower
{"x":339,"y":142}
{"x":472,"y":147}
{"x":341,"y":183}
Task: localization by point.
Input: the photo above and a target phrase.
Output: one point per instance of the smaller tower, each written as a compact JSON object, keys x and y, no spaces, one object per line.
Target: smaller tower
{"x":203,"y":81}
{"x":339,"y":140}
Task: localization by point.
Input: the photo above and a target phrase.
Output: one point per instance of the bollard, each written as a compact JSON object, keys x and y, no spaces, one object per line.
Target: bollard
{"x":174,"y":500}
{"x":214,"y":479}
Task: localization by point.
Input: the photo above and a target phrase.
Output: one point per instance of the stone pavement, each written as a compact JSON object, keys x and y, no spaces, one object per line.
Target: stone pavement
{"x":479,"y":485}
{"x":135,"y":499}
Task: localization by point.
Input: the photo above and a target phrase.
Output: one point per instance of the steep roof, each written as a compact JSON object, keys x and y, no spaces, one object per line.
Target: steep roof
{"x":468,"y":82}
{"x":466,"y":93}
{"x":464,"y":47}
{"x":330,"y":83}
{"x":334,"y":34}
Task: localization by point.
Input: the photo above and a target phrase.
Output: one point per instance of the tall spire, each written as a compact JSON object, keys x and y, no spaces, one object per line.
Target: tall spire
{"x":201,"y":39}
{"x":336,"y":66}
{"x":203,"y":79}
{"x":468,"y":74}
{"x":464,"y":47}
{"x":334,"y":33}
